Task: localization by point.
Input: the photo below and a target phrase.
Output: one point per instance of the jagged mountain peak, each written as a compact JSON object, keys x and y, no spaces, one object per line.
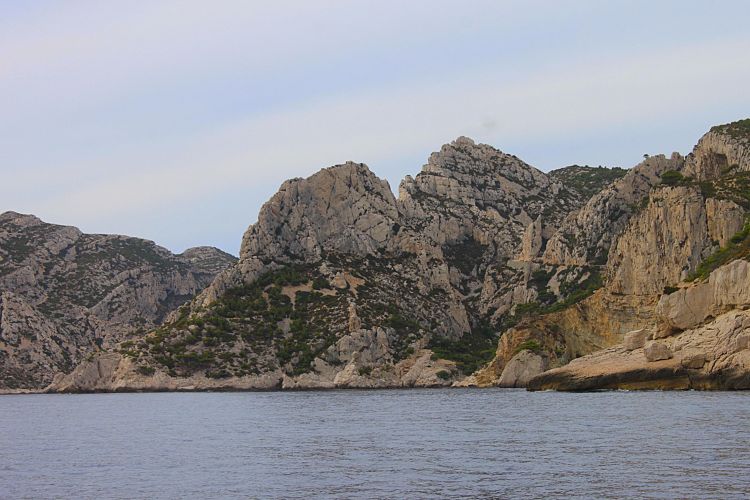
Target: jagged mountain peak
{"x":345,"y":208}
{"x":462,"y":140}
{"x":348,"y":169}
{"x":467,"y":160}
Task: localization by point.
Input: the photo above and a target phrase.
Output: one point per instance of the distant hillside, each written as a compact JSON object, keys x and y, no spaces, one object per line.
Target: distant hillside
{"x":65,"y":294}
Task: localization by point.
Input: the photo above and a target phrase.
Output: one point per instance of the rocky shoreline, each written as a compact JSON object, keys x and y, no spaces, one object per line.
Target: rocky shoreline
{"x":702,"y":342}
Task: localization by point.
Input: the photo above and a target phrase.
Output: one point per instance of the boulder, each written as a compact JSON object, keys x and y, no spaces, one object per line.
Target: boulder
{"x":636,"y":339}
{"x":693,"y":359}
{"x":521,"y":368}
{"x":656,"y":351}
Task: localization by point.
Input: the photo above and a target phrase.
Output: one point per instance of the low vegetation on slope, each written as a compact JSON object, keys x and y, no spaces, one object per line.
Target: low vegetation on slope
{"x":738,"y":248}
{"x":471,"y":351}
{"x":572,"y":292}
{"x":732,"y":185}
{"x":739,"y":129}
{"x":587,"y":180}
{"x":290,"y":316}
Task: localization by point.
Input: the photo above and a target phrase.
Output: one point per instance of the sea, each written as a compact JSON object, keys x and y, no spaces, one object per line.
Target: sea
{"x":402,"y":444}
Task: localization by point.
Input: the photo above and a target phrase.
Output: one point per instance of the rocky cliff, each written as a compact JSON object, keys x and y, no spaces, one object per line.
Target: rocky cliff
{"x":702,"y":341}
{"x":685,"y":252}
{"x":483,"y":271}
{"x":65,"y":294}
{"x":341,"y":284}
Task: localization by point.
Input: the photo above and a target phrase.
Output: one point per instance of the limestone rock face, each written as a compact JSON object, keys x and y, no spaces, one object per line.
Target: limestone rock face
{"x":724,"y":219}
{"x":487,"y":215}
{"x":728,"y":287}
{"x":344,"y":209}
{"x":704,"y":357}
{"x":66,"y":294}
{"x":111,"y":372}
{"x":667,"y":240}
{"x":356,"y":283}
{"x":532,"y":240}
{"x":473,"y":191}
{"x":585,"y":247}
{"x":660,"y":242}
{"x":586,"y":235}
{"x":600,"y":321}
{"x":341,"y":284}
{"x":707,"y":344}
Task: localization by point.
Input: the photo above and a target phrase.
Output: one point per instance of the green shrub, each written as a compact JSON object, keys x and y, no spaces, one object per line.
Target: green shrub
{"x":443,"y":375}
{"x":708,"y":189}
{"x":365,"y":371}
{"x":540,"y":278}
{"x":471,"y":351}
{"x":320,"y":282}
{"x":529,"y":345}
{"x":220,"y":373}
{"x":146,"y":370}
{"x":673,"y":178}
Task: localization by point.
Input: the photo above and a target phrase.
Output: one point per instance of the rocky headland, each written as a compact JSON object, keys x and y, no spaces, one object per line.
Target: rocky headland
{"x":484,"y":271}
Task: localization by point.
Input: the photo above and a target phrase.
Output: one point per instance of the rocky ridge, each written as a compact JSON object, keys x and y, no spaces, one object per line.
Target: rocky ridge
{"x":340,"y":284}
{"x":66,"y":294}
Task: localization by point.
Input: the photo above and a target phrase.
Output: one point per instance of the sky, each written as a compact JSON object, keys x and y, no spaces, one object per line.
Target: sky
{"x":176,"y":120}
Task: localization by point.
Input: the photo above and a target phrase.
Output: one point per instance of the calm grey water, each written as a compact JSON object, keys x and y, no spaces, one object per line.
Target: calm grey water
{"x":376,"y":444}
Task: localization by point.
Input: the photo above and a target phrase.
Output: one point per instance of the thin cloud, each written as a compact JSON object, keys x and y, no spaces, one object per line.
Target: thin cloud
{"x":370,"y":126}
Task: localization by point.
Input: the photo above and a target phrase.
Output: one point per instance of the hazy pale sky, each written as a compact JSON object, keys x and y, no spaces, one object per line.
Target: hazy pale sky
{"x":175,"y":120}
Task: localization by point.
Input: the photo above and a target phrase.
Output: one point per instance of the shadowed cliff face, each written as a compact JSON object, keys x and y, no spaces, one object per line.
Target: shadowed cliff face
{"x":66,"y":294}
